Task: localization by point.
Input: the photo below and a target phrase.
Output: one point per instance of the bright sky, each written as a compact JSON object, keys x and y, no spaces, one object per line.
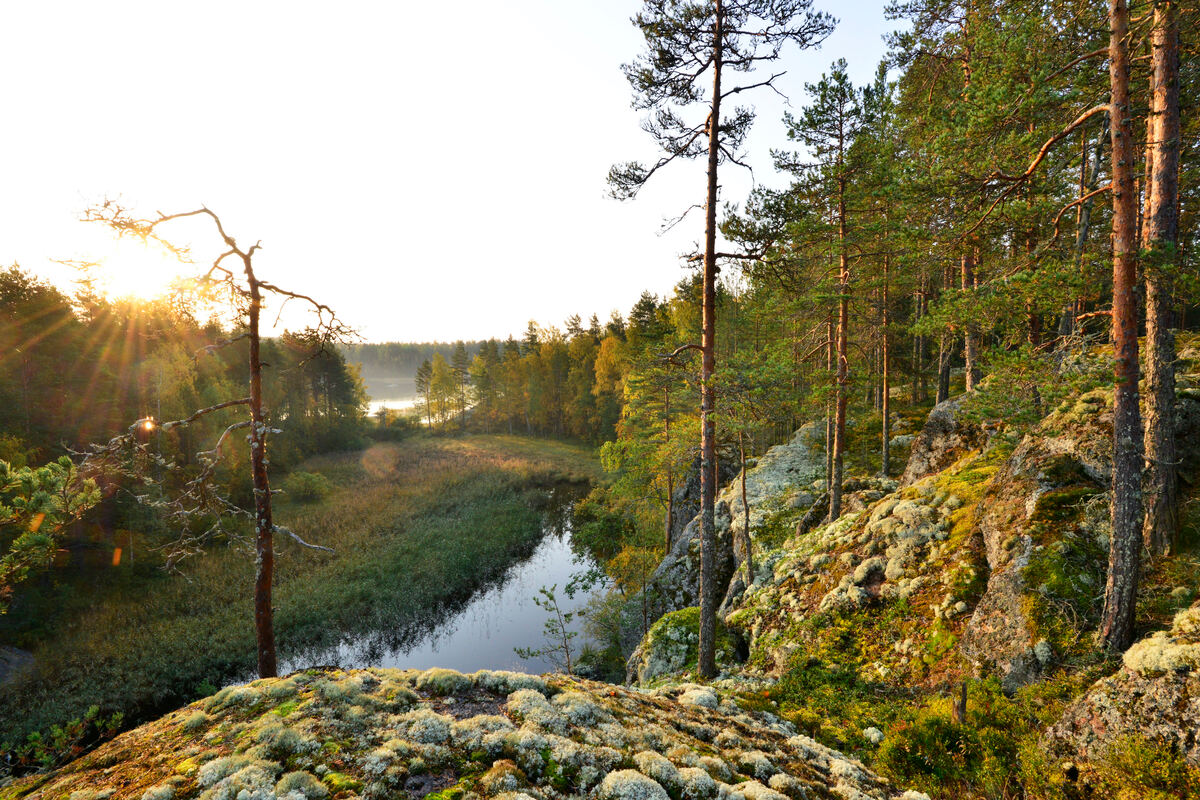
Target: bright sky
{"x":432,"y":171}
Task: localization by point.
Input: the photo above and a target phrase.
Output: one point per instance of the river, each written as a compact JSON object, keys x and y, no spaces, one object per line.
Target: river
{"x":482,"y":632}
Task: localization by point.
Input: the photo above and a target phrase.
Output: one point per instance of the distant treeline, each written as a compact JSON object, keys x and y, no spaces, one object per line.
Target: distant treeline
{"x":81,"y":369}
{"x":400,"y":359}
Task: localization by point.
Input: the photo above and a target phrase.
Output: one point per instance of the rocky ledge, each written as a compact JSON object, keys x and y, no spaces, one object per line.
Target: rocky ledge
{"x":440,"y":734}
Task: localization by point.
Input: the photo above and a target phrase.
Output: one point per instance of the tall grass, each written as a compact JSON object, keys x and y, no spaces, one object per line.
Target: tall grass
{"x":414,"y":525}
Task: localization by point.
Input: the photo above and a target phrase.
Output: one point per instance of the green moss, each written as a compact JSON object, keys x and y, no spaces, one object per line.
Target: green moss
{"x":286,"y":709}
{"x":1065,"y":572}
{"x":554,"y":773}
{"x":1058,"y":508}
{"x":778,"y":527}
{"x":339,"y":782}
{"x":680,"y":629}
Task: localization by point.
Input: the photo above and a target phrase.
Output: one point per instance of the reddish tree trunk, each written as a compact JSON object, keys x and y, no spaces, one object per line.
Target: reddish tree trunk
{"x":885,"y":404}
{"x":1120,"y":591}
{"x":842,"y":380}
{"x":1160,"y":232}
{"x":970,"y":344}
{"x":264,"y":529}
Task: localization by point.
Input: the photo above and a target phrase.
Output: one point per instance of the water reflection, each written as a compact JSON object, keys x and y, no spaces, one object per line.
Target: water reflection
{"x":480,"y":631}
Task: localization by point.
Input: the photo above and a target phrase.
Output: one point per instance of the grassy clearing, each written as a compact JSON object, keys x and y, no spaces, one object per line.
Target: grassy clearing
{"x":414,"y":525}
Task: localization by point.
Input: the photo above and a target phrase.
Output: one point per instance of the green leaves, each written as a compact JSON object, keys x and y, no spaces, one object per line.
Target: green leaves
{"x":35,"y":505}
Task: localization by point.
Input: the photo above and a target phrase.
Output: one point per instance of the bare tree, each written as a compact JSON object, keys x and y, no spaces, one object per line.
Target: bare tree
{"x":200,"y":497}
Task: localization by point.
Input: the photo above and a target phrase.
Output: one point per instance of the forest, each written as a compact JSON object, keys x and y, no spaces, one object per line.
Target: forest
{"x":902,"y":470}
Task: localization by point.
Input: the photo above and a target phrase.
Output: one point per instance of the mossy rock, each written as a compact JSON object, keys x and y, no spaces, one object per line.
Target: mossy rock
{"x":671,"y":647}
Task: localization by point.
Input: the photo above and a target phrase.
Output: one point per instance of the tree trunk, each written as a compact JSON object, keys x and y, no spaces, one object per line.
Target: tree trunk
{"x":1089,"y":179}
{"x":1120,"y":591}
{"x":885,"y":404}
{"x":746,"y":543}
{"x":707,"y":653}
{"x":943,"y":384}
{"x":670,"y":472}
{"x":970,"y":343}
{"x":829,"y":403}
{"x":264,"y":529}
{"x":1161,"y":235}
{"x":945,"y":344}
{"x":843,"y":362}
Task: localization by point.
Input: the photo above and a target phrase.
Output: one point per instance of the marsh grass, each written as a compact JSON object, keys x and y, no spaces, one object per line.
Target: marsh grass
{"x":415,"y":525}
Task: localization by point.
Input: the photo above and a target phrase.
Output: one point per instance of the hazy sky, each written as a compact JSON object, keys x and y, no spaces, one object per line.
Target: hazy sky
{"x":431,"y":170}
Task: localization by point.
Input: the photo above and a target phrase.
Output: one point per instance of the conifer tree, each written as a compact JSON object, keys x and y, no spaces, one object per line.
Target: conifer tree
{"x":1160,"y":233}
{"x":424,"y":382}
{"x":828,"y":128}
{"x":460,"y":365}
{"x":689,"y":43}
{"x":1120,"y":592}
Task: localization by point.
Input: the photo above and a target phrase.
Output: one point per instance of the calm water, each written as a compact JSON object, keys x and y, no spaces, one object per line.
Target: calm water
{"x":482,"y":632}
{"x":390,"y":392}
{"x":391,"y":404}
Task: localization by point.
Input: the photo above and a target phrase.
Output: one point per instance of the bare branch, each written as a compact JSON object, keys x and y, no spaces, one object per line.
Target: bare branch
{"x":298,"y":540}
{"x":211,"y":349}
{"x":1017,"y":180}
{"x":768,"y":82}
{"x":180,"y":423}
{"x":1076,"y":202}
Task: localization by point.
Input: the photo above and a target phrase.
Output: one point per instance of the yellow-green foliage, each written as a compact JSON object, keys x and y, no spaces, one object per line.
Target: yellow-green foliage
{"x":1138,"y":769}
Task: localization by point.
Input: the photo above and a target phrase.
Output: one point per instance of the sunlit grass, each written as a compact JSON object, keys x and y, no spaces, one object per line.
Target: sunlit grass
{"x":414,"y":524}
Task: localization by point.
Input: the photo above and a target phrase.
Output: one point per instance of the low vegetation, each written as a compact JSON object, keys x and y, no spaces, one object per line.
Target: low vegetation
{"x":405,"y":521}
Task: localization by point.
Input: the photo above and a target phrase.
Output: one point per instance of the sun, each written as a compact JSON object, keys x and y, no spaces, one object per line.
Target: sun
{"x":144,"y":271}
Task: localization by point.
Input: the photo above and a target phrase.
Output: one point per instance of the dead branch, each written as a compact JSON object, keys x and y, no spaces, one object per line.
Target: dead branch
{"x":298,"y":540}
{"x":180,"y":423}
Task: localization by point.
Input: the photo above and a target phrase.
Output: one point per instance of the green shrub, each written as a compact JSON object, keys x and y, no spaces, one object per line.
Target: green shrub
{"x":307,"y":487}
{"x":1141,"y":769}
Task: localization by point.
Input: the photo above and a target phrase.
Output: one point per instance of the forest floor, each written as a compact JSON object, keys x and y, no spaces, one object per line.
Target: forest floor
{"x":405,"y":520}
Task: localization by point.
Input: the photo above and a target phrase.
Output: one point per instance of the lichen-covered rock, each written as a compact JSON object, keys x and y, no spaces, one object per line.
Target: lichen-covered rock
{"x":1033,"y":524}
{"x":670,"y":648}
{"x":345,"y":737}
{"x":629,"y":784}
{"x":771,"y":488}
{"x":911,"y":546}
{"x":1165,"y":652}
{"x":945,"y":438}
{"x":1156,"y":696}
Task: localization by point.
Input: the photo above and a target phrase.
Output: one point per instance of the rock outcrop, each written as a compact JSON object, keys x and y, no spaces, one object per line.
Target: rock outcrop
{"x":670,"y":649}
{"x":380,"y":733}
{"x":1155,"y":696}
{"x":903,"y":548}
{"x":780,"y":481}
{"x":1032,"y":520}
{"x":945,"y":438}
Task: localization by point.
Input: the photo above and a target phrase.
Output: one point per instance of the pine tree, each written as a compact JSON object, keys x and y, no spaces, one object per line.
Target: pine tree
{"x":688,"y":43}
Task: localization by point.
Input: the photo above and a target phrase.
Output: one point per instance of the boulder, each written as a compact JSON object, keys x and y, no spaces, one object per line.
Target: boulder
{"x":945,"y":438}
{"x":1156,"y":696}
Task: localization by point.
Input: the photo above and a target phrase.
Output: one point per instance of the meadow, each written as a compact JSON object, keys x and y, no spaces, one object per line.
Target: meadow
{"x":414,"y":525}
